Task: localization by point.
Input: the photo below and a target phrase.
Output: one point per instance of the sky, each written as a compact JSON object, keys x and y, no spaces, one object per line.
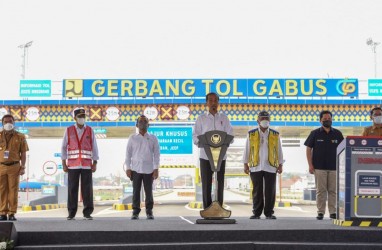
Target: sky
{"x":128,"y":39}
{"x":122,"y":39}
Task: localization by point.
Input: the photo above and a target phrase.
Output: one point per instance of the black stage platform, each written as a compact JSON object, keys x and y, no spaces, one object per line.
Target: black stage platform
{"x":183,"y":233}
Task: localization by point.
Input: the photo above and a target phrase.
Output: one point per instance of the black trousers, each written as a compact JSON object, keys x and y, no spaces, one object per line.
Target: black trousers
{"x":207,"y":174}
{"x":147,"y":180}
{"x":74,"y":176}
{"x":264,"y":188}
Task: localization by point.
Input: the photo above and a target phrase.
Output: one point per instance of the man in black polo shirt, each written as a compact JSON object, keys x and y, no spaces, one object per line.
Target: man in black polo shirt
{"x":321,"y":152}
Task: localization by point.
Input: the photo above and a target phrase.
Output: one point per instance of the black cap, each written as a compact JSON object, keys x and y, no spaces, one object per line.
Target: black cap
{"x":264,"y":114}
{"x":79,"y":111}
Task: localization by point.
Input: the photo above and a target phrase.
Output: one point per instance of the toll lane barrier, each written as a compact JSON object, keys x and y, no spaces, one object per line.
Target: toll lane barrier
{"x":42,"y":207}
{"x":186,"y":194}
{"x":283,"y":204}
{"x":195,"y":204}
{"x":357,"y":223}
{"x":177,"y":166}
{"x":118,"y":206}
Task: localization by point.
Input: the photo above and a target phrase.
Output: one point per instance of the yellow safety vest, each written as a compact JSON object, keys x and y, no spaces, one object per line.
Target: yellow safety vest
{"x":254,"y":148}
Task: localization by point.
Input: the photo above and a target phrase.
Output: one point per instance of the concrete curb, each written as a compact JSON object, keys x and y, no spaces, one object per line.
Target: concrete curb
{"x":195,"y":204}
{"x":42,"y":207}
{"x":283,"y":204}
{"x":358,"y":223}
{"x":119,"y":206}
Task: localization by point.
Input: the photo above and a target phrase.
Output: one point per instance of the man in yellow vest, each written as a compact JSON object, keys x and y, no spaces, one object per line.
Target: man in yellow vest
{"x":263,"y":158}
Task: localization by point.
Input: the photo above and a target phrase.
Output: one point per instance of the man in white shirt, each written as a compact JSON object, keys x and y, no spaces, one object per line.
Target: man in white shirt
{"x":142,"y":163}
{"x":79,"y":155}
{"x":263,"y":158}
{"x":212,"y":120}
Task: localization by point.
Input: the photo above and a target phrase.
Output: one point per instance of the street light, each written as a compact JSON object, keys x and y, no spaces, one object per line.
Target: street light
{"x":25,"y":53}
{"x":373,"y":46}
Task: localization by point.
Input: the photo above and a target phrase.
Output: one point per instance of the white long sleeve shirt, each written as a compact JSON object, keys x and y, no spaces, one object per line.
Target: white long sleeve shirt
{"x":263,"y":153}
{"x":208,"y":122}
{"x":64,"y":145}
{"x":142,"y":153}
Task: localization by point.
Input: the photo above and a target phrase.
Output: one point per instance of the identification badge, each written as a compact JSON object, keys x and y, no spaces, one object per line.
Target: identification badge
{"x":6,"y":154}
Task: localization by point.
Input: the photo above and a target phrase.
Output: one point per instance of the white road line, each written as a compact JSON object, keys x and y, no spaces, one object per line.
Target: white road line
{"x":109,"y":210}
{"x":293,"y":209}
{"x":186,"y":220}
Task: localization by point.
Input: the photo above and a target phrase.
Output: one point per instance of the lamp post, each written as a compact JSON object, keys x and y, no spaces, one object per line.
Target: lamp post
{"x":373,"y":46}
{"x":24,"y":56}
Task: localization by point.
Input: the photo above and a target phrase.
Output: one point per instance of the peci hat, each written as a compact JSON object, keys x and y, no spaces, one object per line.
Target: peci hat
{"x":79,"y":111}
{"x":264,"y":114}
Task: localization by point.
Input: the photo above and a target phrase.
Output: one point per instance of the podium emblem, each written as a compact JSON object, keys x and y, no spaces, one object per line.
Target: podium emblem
{"x":216,"y":138}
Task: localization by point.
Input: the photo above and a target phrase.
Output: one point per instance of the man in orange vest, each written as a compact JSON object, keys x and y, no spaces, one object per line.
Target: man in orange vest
{"x":79,"y":155}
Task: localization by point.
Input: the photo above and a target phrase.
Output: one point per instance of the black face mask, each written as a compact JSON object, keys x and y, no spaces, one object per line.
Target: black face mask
{"x":327,"y":124}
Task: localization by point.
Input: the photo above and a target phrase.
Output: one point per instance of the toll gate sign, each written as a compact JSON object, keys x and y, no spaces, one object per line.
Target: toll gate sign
{"x":35,"y":88}
{"x":173,"y":140}
{"x":375,"y":87}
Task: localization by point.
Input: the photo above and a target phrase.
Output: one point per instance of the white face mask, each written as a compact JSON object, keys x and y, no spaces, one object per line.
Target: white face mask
{"x":264,"y":123}
{"x":8,"y":126}
{"x":377,"y":119}
{"x":81,"y":121}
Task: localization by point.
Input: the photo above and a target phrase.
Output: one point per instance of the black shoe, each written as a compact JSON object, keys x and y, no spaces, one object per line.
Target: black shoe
{"x":12,"y":217}
{"x":70,"y":218}
{"x":254,"y":217}
{"x":333,"y":216}
{"x":88,"y":217}
{"x":272,"y":217}
{"x":135,"y":217}
{"x":150,"y":216}
{"x":320,"y":216}
{"x":3,"y":217}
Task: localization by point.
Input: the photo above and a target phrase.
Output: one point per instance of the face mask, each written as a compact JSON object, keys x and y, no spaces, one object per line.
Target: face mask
{"x":377,"y":119}
{"x":264,"y":123}
{"x":327,"y":124}
{"x":143,"y":125}
{"x":81,"y":121}
{"x":8,"y":126}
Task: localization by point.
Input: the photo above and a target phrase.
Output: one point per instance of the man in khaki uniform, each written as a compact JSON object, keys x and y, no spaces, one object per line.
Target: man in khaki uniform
{"x":376,"y":128}
{"x":13,"y":148}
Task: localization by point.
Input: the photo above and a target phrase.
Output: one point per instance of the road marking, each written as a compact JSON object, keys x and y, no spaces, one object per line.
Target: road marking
{"x":109,"y":210}
{"x":294,"y":209}
{"x":186,"y":220}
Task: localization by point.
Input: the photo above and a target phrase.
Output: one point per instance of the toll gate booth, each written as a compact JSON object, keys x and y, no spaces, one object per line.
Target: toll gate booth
{"x":359,"y":187}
